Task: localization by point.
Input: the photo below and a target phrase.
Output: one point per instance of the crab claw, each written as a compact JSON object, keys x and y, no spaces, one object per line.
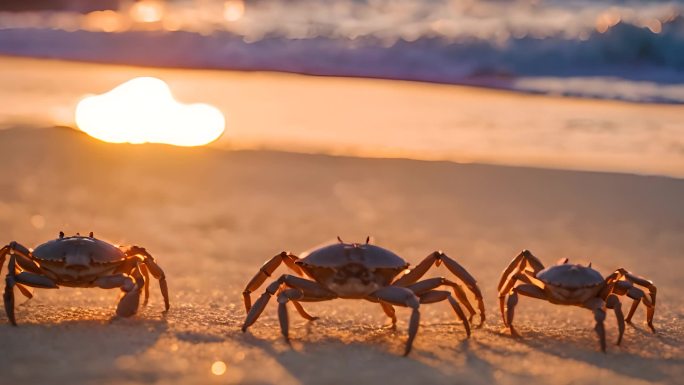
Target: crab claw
{"x":129,"y":303}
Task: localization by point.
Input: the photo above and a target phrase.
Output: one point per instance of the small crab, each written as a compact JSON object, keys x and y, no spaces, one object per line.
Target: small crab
{"x":80,"y":261}
{"x":570,"y":284}
{"x":360,"y":271}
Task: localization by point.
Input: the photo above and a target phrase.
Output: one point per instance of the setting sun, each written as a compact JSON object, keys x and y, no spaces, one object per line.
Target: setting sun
{"x":143,"y":110}
{"x":233,"y":10}
{"x":147,"y":11}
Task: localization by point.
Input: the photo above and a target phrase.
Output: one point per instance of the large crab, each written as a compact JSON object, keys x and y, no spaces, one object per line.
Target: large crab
{"x":80,"y":261}
{"x":360,"y":271}
{"x":570,"y":284}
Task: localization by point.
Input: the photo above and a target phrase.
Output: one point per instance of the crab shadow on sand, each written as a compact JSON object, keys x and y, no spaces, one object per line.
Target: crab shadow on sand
{"x":93,"y":347}
{"x":346,"y":362}
{"x":374,"y":356}
{"x":634,"y":358}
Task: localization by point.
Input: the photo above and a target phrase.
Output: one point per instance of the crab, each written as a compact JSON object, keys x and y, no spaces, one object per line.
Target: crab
{"x":573,"y":284}
{"x":80,"y":261}
{"x":360,"y":271}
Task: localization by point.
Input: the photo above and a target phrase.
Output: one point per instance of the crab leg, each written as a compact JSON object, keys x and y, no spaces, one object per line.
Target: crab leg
{"x":613,"y":302}
{"x":311,"y":291}
{"x":34,"y":276}
{"x":35,"y":280}
{"x":8,"y":298}
{"x":3,"y":254}
{"x":303,"y":312}
{"x":158,"y":273}
{"x":596,"y":305}
{"x":526,"y":256}
{"x":32,"y":273}
{"x":433,"y":283}
{"x":433,"y":296}
{"x":401,"y":296}
{"x":8,"y":295}
{"x":146,"y":275}
{"x":266,"y":271}
{"x":293,"y":295}
{"x":626,"y":286}
{"x":615,"y":288}
{"x":436,"y":258}
{"x":638,"y":296}
{"x":283,"y":298}
{"x":525,"y":289}
{"x":17,"y":248}
{"x":154,"y":269}
{"x":299,"y":307}
{"x":507,"y":290}
{"x":25,"y":290}
{"x":389,"y":311}
{"x":23,"y":254}
{"x":25,"y":262}
{"x":130,"y":288}
{"x":22,"y":278}
{"x":131,"y":300}
{"x":509,"y":278}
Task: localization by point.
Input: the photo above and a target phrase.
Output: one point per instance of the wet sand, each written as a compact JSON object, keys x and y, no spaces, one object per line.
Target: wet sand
{"x":211,"y":217}
{"x":376,"y":118}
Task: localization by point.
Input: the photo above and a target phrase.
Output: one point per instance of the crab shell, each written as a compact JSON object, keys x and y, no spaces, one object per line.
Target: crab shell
{"x":78,"y":260}
{"x":571,"y":283}
{"x":78,"y":250}
{"x":353,"y":270}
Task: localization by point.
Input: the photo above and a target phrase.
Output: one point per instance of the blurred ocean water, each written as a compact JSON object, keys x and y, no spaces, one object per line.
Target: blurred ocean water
{"x":609,"y":49}
{"x":616,"y":49}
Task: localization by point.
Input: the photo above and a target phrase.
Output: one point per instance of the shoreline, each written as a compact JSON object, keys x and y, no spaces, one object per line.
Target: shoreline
{"x":378,"y":118}
{"x":350,"y":157}
{"x":488,"y":85}
{"x":471,"y":86}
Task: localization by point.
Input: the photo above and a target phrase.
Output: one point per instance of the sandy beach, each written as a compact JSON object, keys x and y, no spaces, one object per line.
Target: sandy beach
{"x":211,"y":217}
{"x":474,"y":128}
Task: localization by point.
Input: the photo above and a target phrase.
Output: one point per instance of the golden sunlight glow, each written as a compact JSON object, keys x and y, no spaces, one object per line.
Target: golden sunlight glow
{"x":106,"y":21}
{"x":233,"y":10}
{"x":607,"y":20}
{"x":143,"y":110}
{"x":218,"y":368}
{"x":654,"y":25}
{"x":147,"y":11}
{"x":38,"y":221}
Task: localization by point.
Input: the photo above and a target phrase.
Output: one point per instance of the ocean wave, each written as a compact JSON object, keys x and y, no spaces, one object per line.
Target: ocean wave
{"x":617,"y":55}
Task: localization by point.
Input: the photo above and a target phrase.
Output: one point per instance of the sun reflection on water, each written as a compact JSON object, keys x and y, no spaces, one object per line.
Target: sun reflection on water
{"x":386,"y":20}
{"x":233,"y":10}
{"x":143,"y":110}
{"x":147,"y":11}
{"x":218,"y":368}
